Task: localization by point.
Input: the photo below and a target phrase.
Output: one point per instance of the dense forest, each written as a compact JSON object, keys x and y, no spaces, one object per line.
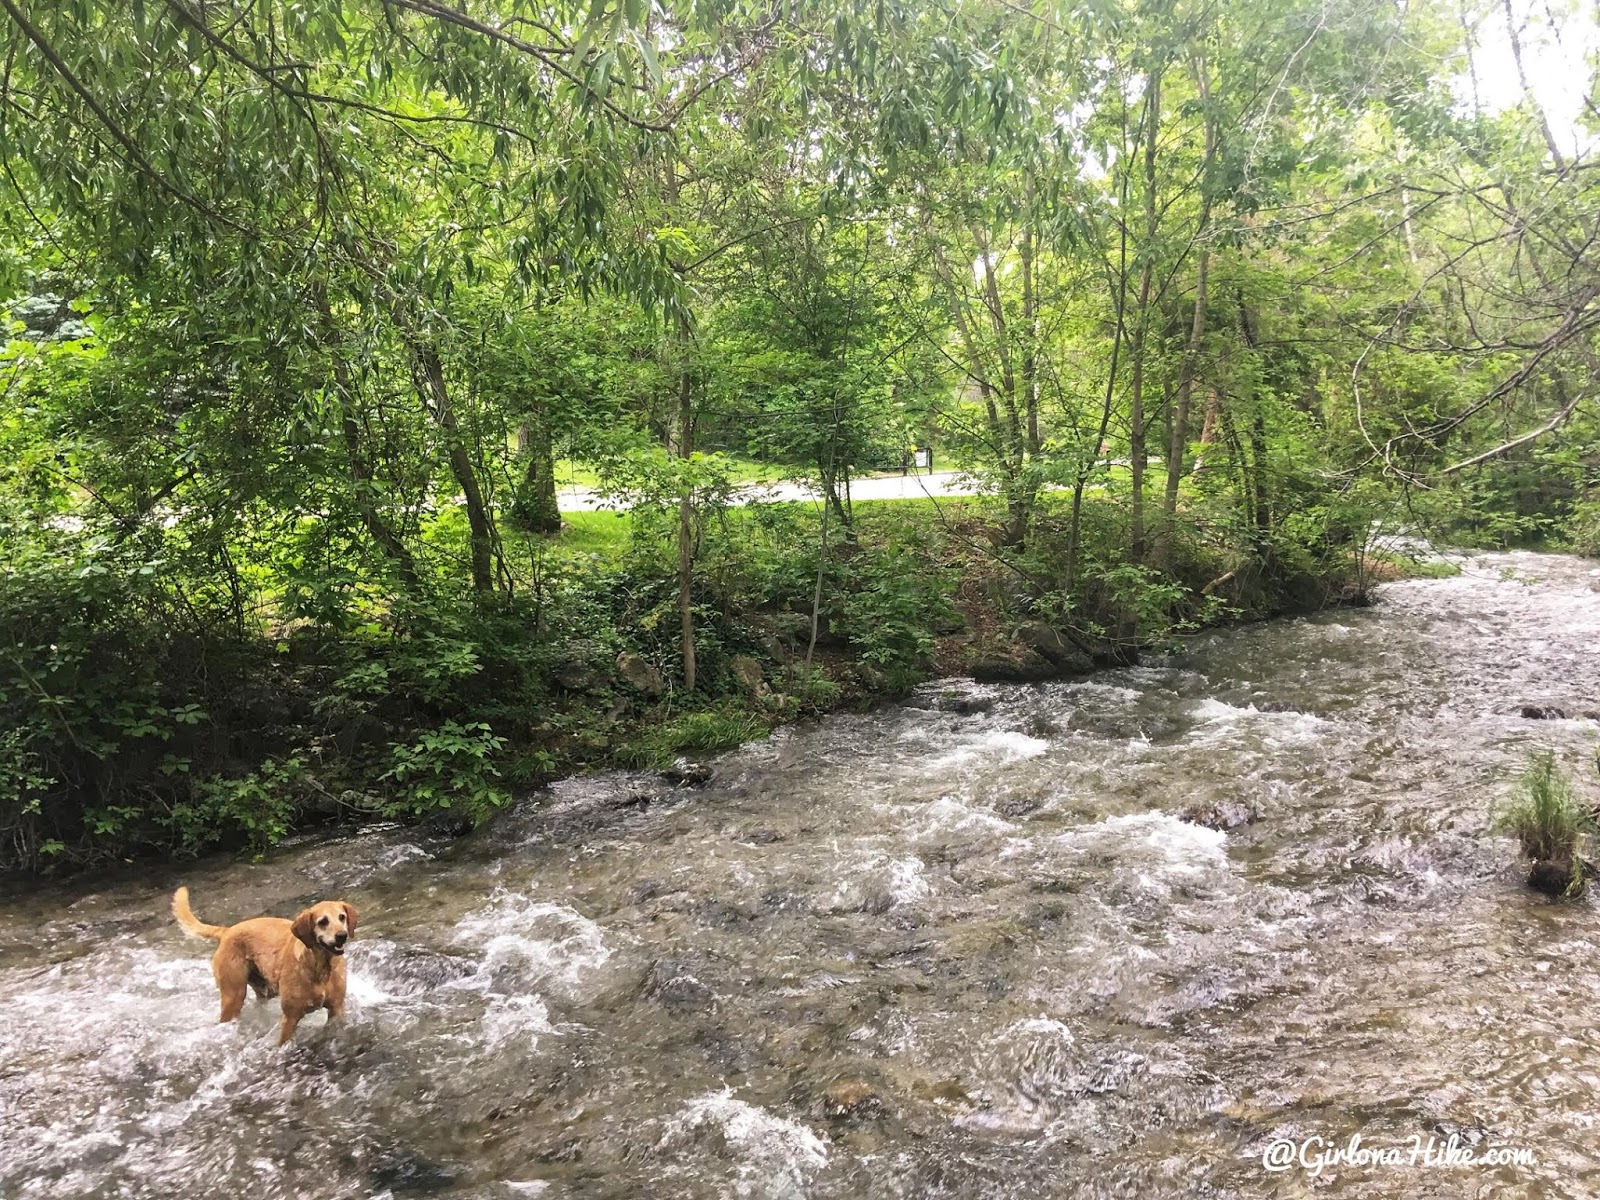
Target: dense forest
{"x":318,"y":313}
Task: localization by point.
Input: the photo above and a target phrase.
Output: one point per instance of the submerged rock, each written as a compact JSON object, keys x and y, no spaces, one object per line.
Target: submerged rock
{"x":1543,"y":712}
{"x":687,"y":773}
{"x":673,"y":984}
{"x":848,"y":1099}
{"x":1219,"y":814}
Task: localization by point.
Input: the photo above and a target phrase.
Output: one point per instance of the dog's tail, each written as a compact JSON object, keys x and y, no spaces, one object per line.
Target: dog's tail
{"x":191,"y":923}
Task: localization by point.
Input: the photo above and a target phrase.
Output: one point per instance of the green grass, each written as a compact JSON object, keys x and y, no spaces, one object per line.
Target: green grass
{"x":603,"y":533}
{"x":698,"y":733}
{"x":573,"y":474}
{"x":1545,"y":813}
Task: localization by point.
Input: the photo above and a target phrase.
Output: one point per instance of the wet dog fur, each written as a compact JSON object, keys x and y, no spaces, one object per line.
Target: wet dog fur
{"x":301,"y":962}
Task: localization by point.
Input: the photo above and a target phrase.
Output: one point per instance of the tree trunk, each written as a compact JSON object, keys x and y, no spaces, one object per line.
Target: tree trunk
{"x":1258,"y":448}
{"x":1136,"y":420}
{"x":1030,"y":321}
{"x":360,"y":472}
{"x":1108,"y":401}
{"x":833,"y":497}
{"x":429,"y":372}
{"x":1208,"y":429}
{"x":686,"y":514}
{"x":1178,"y":446}
{"x":536,"y":508}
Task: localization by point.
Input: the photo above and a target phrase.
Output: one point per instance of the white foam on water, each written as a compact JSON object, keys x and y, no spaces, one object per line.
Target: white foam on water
{"x":399,"y":856}
{"x":876,"y":875}
{"x":908,"y":880}
{"x":1035,"y":1068}
{"x":541,"y":941}
{"x":519,"y":1020}
{"x":1047,"y":1026}
{"x":1155,"y":845}
{"x":1108,"y":691}
{"x":1212,"y":709}
{"x":1218,"y":719}
{"x":1183,"y":846}
{"x":949,"y":814}
{"x":774,"y":1156}
{"x":993,"y":746}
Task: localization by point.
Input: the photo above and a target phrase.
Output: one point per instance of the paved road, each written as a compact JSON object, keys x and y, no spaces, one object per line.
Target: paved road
{"x":884,"y":487}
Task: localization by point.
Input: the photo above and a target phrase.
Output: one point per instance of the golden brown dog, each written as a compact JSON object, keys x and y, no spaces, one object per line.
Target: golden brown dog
{"x":301,"y":961}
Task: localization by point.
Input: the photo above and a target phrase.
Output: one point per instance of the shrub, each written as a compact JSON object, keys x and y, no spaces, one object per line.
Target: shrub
{"x":1583,"y":531}
{"x":892,"y":607}
{"x":813,"y":691}
{"x":448,"y":767}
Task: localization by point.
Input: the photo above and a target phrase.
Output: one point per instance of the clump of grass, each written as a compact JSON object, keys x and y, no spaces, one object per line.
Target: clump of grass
{"x":695,"y":733}
{"x":1550,"y":820}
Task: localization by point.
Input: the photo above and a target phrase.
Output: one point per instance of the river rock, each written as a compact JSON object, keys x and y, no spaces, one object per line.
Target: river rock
{"x":1543,"y":712}
{"x":405,"y":970}
{"x":449,"y":823}
{"x":1219,"y":814}
{"x":963,"y":703}
{"x":673,"y":984}
{"x":1055,"y":647}
{"x":1019,"y":804}
{"x":581,"y":670}
{"x":1552,"y":876}
{"x":1010,"y":663}
{"x":851,"y":1099}
{"x":635,"y":800}
{"x":640,"y":675}
{"x":687,"y":773}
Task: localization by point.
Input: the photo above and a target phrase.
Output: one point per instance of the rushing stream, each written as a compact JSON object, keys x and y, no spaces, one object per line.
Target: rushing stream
{"x":960,"y":947}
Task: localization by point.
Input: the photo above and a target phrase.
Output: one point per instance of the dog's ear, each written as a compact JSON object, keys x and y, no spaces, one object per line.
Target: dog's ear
{"x":302,"y":928}
{"x":349,"y":917}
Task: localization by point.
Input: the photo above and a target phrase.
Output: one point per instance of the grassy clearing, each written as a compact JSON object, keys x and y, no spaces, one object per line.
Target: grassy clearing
{"x":602,"y":533}
{"x":573,"y":474}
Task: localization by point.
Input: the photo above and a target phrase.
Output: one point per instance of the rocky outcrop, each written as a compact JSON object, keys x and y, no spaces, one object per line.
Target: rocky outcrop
{"x":1034,"y":651}
{"x":1009,"y":663}
{"x":1055,"y":648}
{"x":583,"y":668}
{"x":640,"y":675}
{"x":750,"y":675}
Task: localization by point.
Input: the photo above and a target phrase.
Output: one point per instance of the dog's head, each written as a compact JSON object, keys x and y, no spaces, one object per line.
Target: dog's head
{"x":326,"y":925}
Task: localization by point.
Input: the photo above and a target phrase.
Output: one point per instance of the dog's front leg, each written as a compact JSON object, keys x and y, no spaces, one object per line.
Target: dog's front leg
{"x":286,"y":1027}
